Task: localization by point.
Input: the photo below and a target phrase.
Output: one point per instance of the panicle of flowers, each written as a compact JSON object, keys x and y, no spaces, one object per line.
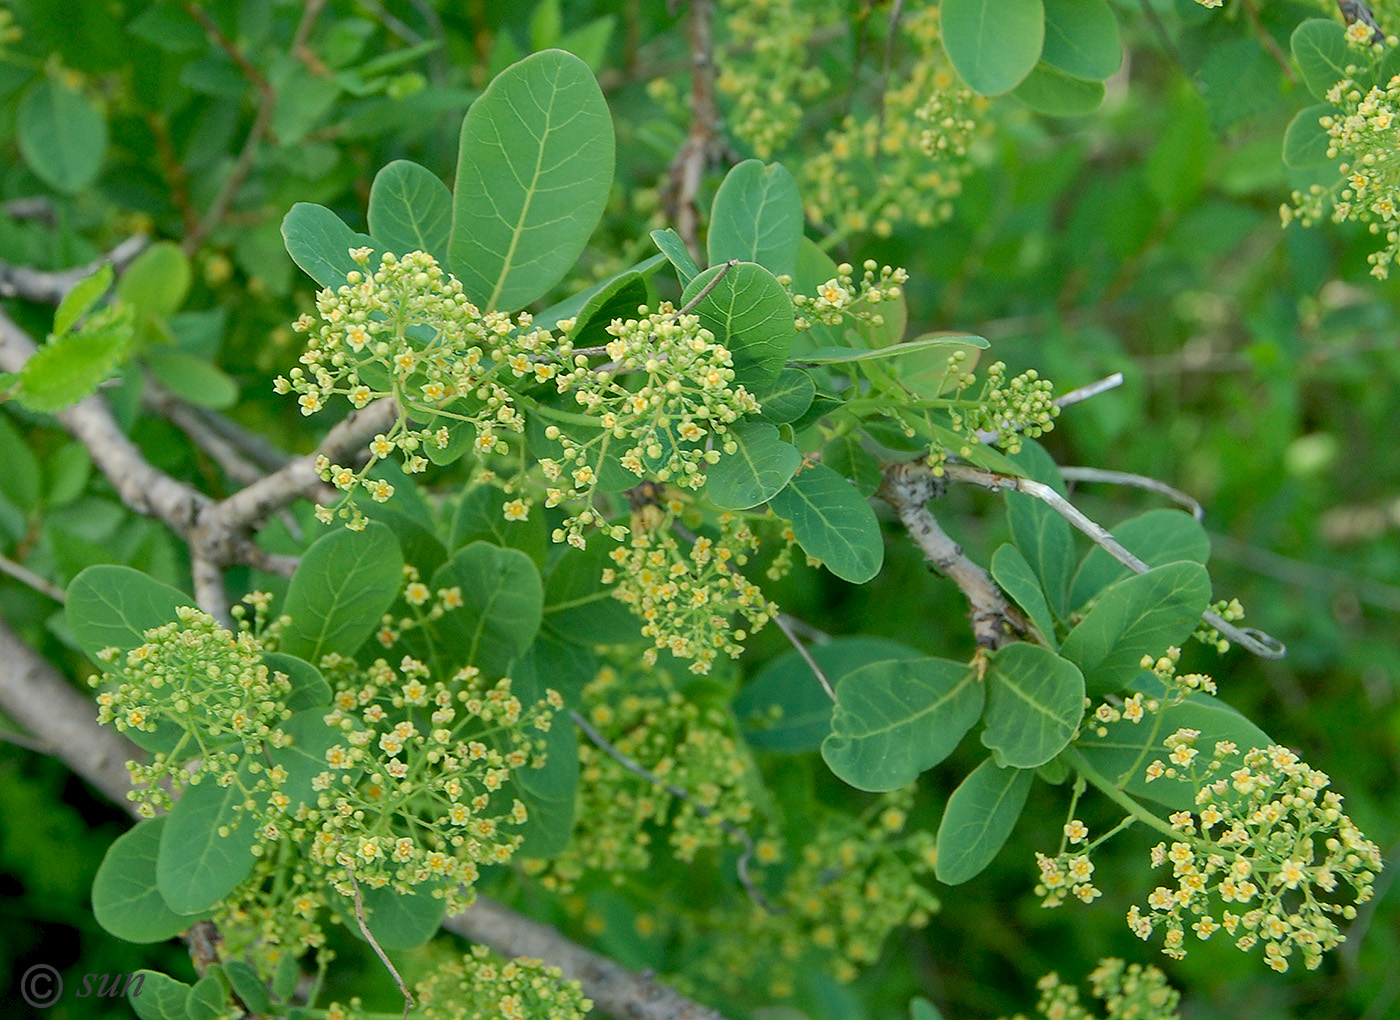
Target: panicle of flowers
{"x":424,"y":606}
{"x":688,"y":594}
{"x":482,"y":985}
{"x":908,"y":157}
{"x":691,"y":749}
{"x":1006,"y":409}
{"x":664,"y":401}
{"x":417,"y":791}
{"x":1127,"y":991}
{"x":405,"y":329}
{"x":277,"y":911}
{"x":1134,"y":708}
{"x":765,"y":70}
{"x":209,"y":684}
{"x":1228,"y":610}
{"x":1264,"y":858}
{"x":843,"y":297}
{"x":1363,"y":132}
{"x":1068,"y":873}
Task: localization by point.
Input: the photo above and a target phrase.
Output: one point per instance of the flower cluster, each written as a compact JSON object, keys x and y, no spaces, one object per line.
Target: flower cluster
{"x":1228,"y":610}
{"x":1128,"y":992}
{"x":660,"y":406}
{"x":1007,"y":409}
{"x":765,"y":69}
{"x":1263,"y":857}
{"x":842,"y":297}
{"x":482,"y":986}
{"x":205,"y":686}
{"x":687,"y":596}
{"x":1067,"y":873}
{"x":417,"y":791}
{"x":277,"y":911}
{"x":407,"y":330}
{"x":1179,"y":685}
{"x":688,"y":748}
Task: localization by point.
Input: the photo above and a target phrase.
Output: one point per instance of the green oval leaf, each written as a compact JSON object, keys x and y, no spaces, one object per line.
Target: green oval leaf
{"x":157,"y":996}
{"x":61,"y":135}
{"x":1035,"y":700}
{"x":1015,"y":577}
{"x":112,"y":606}
{"x":248,"y":985}
{"x":754,"y":473}
{"x":788,"y":398}
{"x":993,"y":44}
{"x":978,"y":819}
{"x":1049,"y":90}
{"x":677,"y":254}
{"x":196,"y":867}
{"x":1042,"y":535}
{"x":533,"y":174}
{"x":207,"y":999}
{"x":1142,"y":615}
{"x":320,"y":242}
{"x":832,"y":522}
{"x":340,"y":590}
{"x":784,"y":709}
{"x":1081,"y":38}
{"x":1156,"y":537}
{"x":1320,"y":47}
{"x":480,"y":518}
{"x":410,"y":209}
{"x":304,"y":758}
{"x":309,"y":688}
{"x":1306,"y":141}
{"x":757,"y":217}
{"x":193,"y":378}
{"x":895,"y":720}
{"x":158,"y":281}
{"x":848,"y":458}
{"x":749,"y":313}
{"x":502,"y":605}
{"x":21,"y":482}
{"x":125,"y":898}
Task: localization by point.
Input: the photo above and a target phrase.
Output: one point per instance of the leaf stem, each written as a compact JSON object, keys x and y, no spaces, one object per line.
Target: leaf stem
{"x":1106,"y":786}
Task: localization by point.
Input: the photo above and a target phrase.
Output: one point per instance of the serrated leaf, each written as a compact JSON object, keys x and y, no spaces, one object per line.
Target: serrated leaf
{"x":533,"y":174}
{"x":319,"y":242}
{"x":410,"y":209}
{"x":112,"y":606}
{"x":1142,"y":615}
{"x":340,"y":590}
{"x":70,"y":367}
{"x":61,"y":135}
{"x":993,"y":44}
{"x":894,"y":720}
{"x":832,"y":522}
{"x":1320,"y":48}
{"x":757,"y":217}
{"x":750,"y":314}
{"x":978,"y":819}
{"x":753,"y":473}
{"x":1035,"y":700}
{"x":125,"y":898}
{"x":81,"y":299}
{"x":784,"y":708}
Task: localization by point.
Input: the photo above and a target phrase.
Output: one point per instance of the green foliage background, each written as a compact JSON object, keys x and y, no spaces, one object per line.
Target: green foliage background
{"x":1262,"y":375}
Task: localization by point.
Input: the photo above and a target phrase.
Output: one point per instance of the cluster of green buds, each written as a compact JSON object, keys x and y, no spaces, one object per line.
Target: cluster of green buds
{"x":278,"y":912}
{"x":843,"y":297}
{"x":688,"y":595}
{"x":907,"y":159}
{"x":482,"y":985}
{"x":206,"y":687}
{"x":1228,"y":610}
{"x":417,"y":792}
{"x":405,"y":329}
{"x":1179,"y":685}
{"x":688,"y":749}
{"x":661,"y":406}
{"x":1262,"y":858}
{"x":1127,"y":991}
{"x":765,"y":69}
{"x":1006,"y":410}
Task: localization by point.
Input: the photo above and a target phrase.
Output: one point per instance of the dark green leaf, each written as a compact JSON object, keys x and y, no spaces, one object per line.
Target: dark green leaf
{"x":1049,"y":90}
{"x":125,"y":898}
{"x":207,"y":1000}
{"x":832,"y":522}
{"x":894,"y":720}
{"x":848,"y":458}
{"x":319,"y":242}
{"x":1035,"y":700}
{"x":754,"y":473}
{"x":410,"y":209}
{"x":340,"y":590}
{"x":757,"y":217}
{"x":111,"y":606}
{"x":396,"y":921}
{"x":20,"y":482}
{"x":1015,"y":576}
{"x":993,"y":43}
{"x":677,"y":254}
{"x":1156,"y":537}
{"x":945,"y":345}
{"x":788,"y":398}
{"x":579,"y":607}
{"x":1043,"y":536}
{"x":503,"y":604}
{"x":197,"y":866}
{"x":749,"y":313}
{"x":309,"y":687}
{"x":533,"y":174}
{"x":61,"y":135}
{"x":1320,"y":48}
{"x":1306,"y":141}
{"x":480,"y":518}
{"x":156,"y":996}
{"x":978,"y":819}
{"x":1081,"y":38}
{"x":248,"y":985}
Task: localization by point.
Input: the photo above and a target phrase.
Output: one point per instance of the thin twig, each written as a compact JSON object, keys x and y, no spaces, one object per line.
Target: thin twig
{"x":1261,"y":644}
{"x":909,"y":486}
{"x":1091,"y":474}
{"x":690,"y":305}
{"x":1092,"y":390}
{"x":804,"y":629}
{"x":896,"y":13}
{"x":688,"y":168}
{"x":1306,"y":575}
{"x":704,"y":811}
{"x":786,"y":628}
{"x":24,"y":575}
{"x":374,"y":942}
{"x":1252,"y":9}
{"x":48,"y":288}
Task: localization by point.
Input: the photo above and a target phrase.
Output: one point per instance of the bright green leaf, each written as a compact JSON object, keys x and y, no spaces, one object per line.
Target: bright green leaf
{"x":894,"y":720}
{"x":81,"y":299}
{"x":755,"y":472}
{"x":757,"y":217}
{"x":69,"y":368}
{"x":978,"y":819}
{"x":410,"y":209}
{"x":1035,"y":700}
{"x":993,"y":44}
{"x":533,"y":174}
{"x":340,"y":590}
{"x":832,"y":522}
